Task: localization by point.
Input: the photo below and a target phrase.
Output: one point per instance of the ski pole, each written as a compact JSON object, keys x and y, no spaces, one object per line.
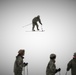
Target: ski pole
{"x":24,"y":70}
{"x":66,"y":73}
{"x":42,"y":28}
{"x":27,"y":25}
{"x":27,"y":69}
{"x":59,"y":73}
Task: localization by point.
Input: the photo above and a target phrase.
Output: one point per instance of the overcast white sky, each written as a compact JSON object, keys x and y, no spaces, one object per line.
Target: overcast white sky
{"x":59,"y":22}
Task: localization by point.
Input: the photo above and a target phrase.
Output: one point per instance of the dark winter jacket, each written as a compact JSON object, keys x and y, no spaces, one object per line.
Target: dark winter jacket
{"x":72,"y":65}
{"x":18,"y":65}
{"x":51,"y":68}
{"x":36,"y":19}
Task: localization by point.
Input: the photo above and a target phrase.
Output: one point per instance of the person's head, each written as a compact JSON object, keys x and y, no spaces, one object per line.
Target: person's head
{"x":21,"y":52}
{"x":53,"y":56}
{"x":74,"y":55}
{"x":38,"y":16}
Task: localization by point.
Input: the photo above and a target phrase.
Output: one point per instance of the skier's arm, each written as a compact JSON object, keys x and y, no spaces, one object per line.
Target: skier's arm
{"x":40,"y":21}
{"x":69,"y":65}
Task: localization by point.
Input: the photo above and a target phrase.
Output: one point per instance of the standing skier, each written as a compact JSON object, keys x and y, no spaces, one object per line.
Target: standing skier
{"x":51,"y":67}
{"x":72,"y":65}
{"x":19,"y":64}
{"x":34,"y":22}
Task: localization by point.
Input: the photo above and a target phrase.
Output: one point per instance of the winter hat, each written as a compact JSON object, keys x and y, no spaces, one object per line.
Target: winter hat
{"x":74,"y":54}
{"x":38,"y":16}
{"x":53,"y":56}
{"x":21,"y":51}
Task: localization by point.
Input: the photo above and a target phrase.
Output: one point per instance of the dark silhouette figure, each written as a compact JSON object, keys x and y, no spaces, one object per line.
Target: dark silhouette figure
{"x":19,"y":64}
{"x":34,"y":22}
{"x":72,"y":65}
{"x":51,"y":67}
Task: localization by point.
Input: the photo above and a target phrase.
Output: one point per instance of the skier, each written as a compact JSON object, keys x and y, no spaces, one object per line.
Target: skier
{"x":72,"y":65}
{"x":34,"y":22}
{"x":19,"y":64}
{"x":51,"y":67}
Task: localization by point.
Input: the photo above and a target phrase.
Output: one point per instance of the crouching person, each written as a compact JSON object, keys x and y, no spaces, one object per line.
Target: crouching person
{"x":19,"y":64}
{"x":51,"y":67}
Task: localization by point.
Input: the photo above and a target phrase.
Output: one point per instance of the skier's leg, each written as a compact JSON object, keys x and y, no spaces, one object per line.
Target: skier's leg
{"x":37,"y":26}
{"x":33,"y":26}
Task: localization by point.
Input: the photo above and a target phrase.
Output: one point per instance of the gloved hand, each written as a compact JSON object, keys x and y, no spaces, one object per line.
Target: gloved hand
{"x":25,"y":64}
{"x":59,"y":69}
{"x":68,"y":69}
{"x":41,"y":23}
